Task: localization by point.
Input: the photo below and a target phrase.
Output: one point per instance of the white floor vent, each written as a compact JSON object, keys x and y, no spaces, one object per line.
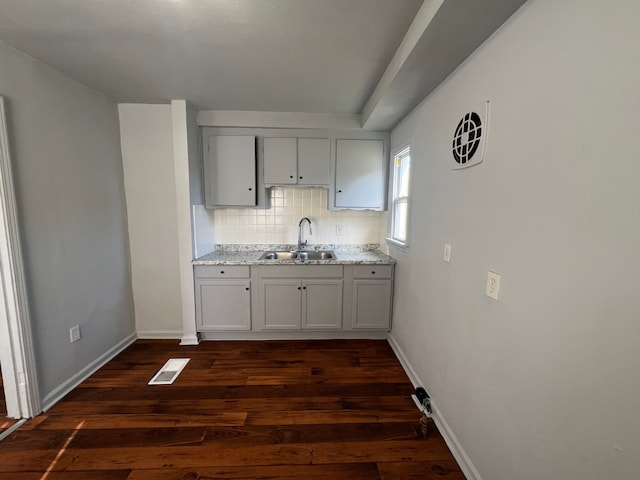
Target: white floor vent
{"x":169,"y":372}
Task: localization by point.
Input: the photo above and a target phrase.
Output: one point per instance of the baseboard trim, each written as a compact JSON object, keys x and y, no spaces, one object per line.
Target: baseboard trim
{"x":12,"y":428}
{"x":190,"y":339}
{"x":160,"y":335}
{"x":289,"y":335}
{"x":450,"y":439}
{"x":56,"y":395}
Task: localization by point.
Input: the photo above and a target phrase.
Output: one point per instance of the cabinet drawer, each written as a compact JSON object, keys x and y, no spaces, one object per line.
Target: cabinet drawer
{"x":372,"y":271}
{"x":221,"y":271}
{"x":301,"y":271}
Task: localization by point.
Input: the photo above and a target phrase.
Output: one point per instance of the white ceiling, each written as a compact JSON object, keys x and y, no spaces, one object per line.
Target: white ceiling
{"x":320,"y":56}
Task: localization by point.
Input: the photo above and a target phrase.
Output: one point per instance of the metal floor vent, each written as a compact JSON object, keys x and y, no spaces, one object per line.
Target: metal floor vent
{"x":169,"y":372}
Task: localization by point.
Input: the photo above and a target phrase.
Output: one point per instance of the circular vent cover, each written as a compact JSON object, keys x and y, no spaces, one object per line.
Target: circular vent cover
{"x":469,"y":137}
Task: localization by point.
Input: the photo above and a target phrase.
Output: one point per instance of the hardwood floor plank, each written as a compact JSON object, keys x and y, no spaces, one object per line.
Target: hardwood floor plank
{"x":328,"y":416}
{"x":95,"y":422}
{"x":432,"y":470}
{"x":362,"y":471}
{"x":234,"y":391}
{"x":384,"y":451}
{"x":182,"y":457}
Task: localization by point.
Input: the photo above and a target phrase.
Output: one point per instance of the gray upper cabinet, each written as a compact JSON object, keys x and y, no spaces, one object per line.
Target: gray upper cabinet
{"x":360,"y":174}
{"x":296,"y":161}
{"x":280,"y":161}
{"x":313,"y":161}
{"x":230,"y":171}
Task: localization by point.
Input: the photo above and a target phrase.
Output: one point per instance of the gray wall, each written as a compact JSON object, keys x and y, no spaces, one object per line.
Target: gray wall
{"x":544,"y":383}
{"x":68,"y":172}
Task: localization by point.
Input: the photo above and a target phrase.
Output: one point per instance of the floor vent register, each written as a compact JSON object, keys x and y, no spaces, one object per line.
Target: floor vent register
{"x":169,"y":372}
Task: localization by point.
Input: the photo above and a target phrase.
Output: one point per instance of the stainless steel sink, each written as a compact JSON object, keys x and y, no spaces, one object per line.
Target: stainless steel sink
{"x":316,"y":255}
{"x":279,"y":256}
{"x":299,"y":255}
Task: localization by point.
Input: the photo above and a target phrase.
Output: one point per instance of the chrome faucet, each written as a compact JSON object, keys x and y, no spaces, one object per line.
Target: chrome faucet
{"x":300,"y":242}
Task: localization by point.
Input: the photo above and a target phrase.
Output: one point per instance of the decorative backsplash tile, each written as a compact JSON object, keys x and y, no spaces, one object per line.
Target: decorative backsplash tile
{"x":279,"y":224}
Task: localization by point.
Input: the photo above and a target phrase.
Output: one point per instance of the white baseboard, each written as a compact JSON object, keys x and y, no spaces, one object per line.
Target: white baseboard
{"x":56,"y":395}
{"x":160,"y":335}
{"x":190,"y":339}
{"x":291,"y":335}
{"x":451,"y":440}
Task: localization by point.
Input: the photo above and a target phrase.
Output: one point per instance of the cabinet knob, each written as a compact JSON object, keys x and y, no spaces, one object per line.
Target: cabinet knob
{"x":246,"y":288}
{"x":290,"y":176}
{"x":339,"y":191}
{"x":300,"y":178}
{"x":299,"y":288}
{"x":304,"y":288}
{"x":250,"y":189}
{"x":221,"y":272}
{"x":373,"y":272}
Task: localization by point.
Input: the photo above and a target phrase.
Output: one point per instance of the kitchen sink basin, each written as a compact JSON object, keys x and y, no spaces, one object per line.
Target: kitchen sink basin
{"x":279,"y":256}
{"x":299,"y":255}
{"x":319,"y":255}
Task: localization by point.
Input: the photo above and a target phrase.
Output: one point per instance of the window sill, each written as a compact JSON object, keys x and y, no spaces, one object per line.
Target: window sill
{"x":397,"y":243}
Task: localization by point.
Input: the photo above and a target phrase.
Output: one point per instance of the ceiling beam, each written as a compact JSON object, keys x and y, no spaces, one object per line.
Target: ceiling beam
{"x":442,"y":35}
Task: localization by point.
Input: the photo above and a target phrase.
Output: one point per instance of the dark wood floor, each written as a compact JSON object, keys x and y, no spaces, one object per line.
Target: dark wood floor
{"x":325,"y":410}
{"x":5,"y":422}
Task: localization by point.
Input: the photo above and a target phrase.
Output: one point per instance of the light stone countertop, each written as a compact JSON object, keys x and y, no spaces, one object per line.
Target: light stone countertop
{"x":250,"y":255}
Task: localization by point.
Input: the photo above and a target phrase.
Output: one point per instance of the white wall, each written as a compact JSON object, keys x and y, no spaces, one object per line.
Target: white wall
{"x":543,"y":384}
{"x":69,"y":186}
{"x":148,"y":158}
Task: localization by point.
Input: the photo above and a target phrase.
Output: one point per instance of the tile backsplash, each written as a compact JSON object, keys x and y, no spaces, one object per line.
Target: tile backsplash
{"x":279,"y":224}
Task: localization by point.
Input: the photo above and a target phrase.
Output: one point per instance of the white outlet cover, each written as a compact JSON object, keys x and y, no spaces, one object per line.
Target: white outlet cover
{"x":447,"y":253}
{"x":493,"y":285}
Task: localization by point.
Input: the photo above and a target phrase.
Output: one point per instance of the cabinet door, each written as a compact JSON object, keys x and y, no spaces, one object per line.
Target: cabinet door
{"x":360,"y":174}
{"x":280,"y":161}
{"x":281,"y":304}
{"x":313,"y":161}
{"x":223,"y":305}
{"x":322,"y":304}
{"x":230,"y":171}
{"x":371,"y":303}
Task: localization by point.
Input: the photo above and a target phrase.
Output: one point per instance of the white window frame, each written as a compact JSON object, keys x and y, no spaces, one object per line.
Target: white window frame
{"x":394,"y":199}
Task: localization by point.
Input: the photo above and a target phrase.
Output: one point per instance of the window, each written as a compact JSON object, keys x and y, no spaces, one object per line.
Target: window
{"x":400,"y":173}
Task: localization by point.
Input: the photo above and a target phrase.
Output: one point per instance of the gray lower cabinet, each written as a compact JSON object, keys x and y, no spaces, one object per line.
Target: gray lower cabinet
{"x":371,"y":296}
{"x":294,"y":297}
{"x":223,"y":298}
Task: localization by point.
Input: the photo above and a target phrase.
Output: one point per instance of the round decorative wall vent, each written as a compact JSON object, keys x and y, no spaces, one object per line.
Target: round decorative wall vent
{"x":469,"y":137}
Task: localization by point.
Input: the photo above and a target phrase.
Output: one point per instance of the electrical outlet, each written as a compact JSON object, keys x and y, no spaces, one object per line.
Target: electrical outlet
{"x":338,"y":229}
{"x":74,"y":334}
{"x":447,"y":253}
{"x":493,"y":285}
